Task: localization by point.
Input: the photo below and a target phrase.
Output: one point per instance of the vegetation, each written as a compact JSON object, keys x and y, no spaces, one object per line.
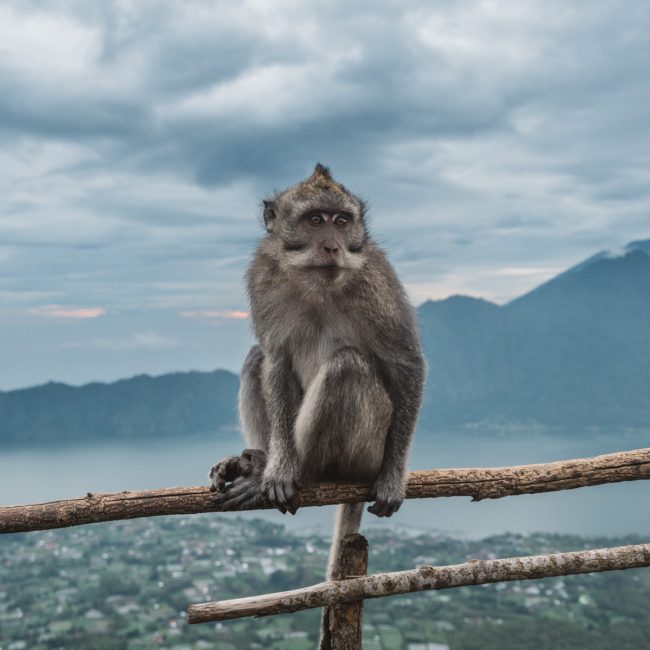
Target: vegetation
{"x":126,"y":585}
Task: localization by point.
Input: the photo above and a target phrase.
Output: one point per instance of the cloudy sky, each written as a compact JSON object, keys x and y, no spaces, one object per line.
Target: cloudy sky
{"x":497,"y":143}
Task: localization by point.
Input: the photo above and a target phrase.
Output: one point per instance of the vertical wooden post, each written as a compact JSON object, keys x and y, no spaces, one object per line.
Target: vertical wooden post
{"x":341,"y":625}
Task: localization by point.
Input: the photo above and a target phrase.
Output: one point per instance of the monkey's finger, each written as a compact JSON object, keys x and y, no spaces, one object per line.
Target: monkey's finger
{"x":280,"y":498}
{"x":246,"y":499}
{"x":225,"y":470}
{"x":253,"y":453}
{"x":247,"y":462}
{"x":266,"y":492}
{"x":229,"y":468}
{"x":219,"y":482}
{"x":284,"y":493}
{"x":380,"y":508}
{"x":278,"y":494}
{"x":239,"y":494}
{"x":236,"y":489}
{"x":274,"y":498}
{"x":290,"y":491}
{"x":391,"y":508}
{"x":292,"y":505}
{"x":221,"y":498}
{"x":245,"y":466}
{"x":374,"y":508}
{"x":254,"y":458}
{"x":216,"y":483}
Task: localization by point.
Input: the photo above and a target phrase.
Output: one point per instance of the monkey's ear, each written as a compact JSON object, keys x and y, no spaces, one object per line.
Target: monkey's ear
{"x":269,"y":215}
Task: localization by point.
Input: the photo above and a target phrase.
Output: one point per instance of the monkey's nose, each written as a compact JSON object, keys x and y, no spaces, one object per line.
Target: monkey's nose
{"x":332,"y":249}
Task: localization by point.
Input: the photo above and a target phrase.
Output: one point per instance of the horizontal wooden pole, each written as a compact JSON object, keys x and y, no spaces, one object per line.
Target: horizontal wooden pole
{"x":474,"y":572}
{"x":477,"y":483}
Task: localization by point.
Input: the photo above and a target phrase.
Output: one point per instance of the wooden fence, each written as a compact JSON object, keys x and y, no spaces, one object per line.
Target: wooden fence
{"x":343,"y":599}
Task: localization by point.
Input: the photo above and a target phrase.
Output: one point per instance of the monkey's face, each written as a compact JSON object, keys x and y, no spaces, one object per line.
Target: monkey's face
{"x":323,"y":242}
{"x":317,"y":231}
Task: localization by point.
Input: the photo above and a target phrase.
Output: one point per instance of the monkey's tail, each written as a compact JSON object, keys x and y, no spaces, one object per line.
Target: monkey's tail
{"x":348,"y":521}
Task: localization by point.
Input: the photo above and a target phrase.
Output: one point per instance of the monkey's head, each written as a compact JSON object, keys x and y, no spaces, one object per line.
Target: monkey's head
{"x":317,"y":229}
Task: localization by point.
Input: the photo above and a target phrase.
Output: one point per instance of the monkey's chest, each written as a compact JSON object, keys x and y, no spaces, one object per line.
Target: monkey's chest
{"x":313,"y":348}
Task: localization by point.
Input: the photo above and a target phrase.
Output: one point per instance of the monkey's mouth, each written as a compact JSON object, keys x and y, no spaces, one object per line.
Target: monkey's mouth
{"x":329,"y":271}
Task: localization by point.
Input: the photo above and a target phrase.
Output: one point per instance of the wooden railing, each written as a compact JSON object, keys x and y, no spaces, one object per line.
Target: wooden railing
{"x":343,"y":598}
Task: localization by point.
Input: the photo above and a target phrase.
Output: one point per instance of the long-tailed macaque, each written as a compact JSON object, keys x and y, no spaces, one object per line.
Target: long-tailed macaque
{"x":333,"y":389}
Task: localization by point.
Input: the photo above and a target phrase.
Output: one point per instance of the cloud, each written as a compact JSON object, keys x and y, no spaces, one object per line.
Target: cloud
{"x":74,"y":313}
{"x":147,"y":340}
{"x":138,"y":140}
{"x":494,"y":284}
{"x":218,"y":314}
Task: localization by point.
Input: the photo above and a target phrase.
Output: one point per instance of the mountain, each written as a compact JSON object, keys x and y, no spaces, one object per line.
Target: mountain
{"x":574,"y":352}
{"x":170,"y":405}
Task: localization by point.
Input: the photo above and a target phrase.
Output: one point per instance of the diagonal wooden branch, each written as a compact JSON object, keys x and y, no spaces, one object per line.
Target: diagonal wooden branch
{"x":474,"y":572}
{"x":478,"y":483}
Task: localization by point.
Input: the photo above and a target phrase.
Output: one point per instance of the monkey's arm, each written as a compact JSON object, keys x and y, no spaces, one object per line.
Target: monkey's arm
{"x":281,"y":475}
{"x":405,"y":383}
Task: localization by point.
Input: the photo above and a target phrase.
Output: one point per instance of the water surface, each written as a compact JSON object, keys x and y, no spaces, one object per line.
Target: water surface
{"x":49,"y":472}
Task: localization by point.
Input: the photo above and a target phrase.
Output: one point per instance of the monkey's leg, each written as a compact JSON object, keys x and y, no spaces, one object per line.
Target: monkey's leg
{"x":250,"y":464}
{"x":253,"y":413}
{"x":340,"y":432}
{"x":342,"y":423}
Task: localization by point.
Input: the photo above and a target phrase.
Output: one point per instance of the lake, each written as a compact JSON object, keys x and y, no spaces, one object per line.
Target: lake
{"x":48,"y":472}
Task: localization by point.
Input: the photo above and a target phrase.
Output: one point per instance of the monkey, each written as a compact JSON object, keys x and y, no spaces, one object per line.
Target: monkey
{"x":333,"y":388}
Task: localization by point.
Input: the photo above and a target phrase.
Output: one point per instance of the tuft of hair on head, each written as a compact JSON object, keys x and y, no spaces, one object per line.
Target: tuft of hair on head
{"x":320,"y":171}
{"x":321,"y":178}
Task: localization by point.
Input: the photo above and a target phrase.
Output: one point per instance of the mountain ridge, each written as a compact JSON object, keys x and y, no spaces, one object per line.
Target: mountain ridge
{"x":573,"y":353}
{"x":138,"y":407}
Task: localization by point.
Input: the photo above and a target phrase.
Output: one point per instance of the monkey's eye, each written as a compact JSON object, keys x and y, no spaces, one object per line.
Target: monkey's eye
{"x":340,"y":221}
{"x":315,"y":219}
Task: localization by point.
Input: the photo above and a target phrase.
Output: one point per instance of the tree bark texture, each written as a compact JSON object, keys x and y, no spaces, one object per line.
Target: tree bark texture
{"x":474,"y":572}
{"x":341,"y":627}
{"x":477,"y":483}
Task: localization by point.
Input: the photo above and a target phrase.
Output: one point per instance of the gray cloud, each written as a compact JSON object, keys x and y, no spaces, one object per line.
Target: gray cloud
{"x":139,"y":138}
{"x":147,"y":340}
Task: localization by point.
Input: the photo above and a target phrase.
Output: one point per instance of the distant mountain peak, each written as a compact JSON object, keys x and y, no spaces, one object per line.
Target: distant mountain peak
{"x":642,"y":245}
{"x":457,"y":300}
{"x":630,"y":258}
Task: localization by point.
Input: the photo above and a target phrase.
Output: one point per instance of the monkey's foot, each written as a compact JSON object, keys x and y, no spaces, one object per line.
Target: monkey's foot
{"x":244,"y":492}
{"x":281,"y":492}
{"x":251,"y":462}
{"x":388,"y":497}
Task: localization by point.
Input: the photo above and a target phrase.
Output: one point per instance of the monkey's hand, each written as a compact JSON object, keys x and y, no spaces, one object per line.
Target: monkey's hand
{"x":388,"y":494}
{"x":251,"y":461}
{"x":280,"y":485}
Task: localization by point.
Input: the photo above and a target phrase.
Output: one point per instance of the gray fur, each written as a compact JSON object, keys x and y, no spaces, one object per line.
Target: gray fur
{"x":334,"y":387}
